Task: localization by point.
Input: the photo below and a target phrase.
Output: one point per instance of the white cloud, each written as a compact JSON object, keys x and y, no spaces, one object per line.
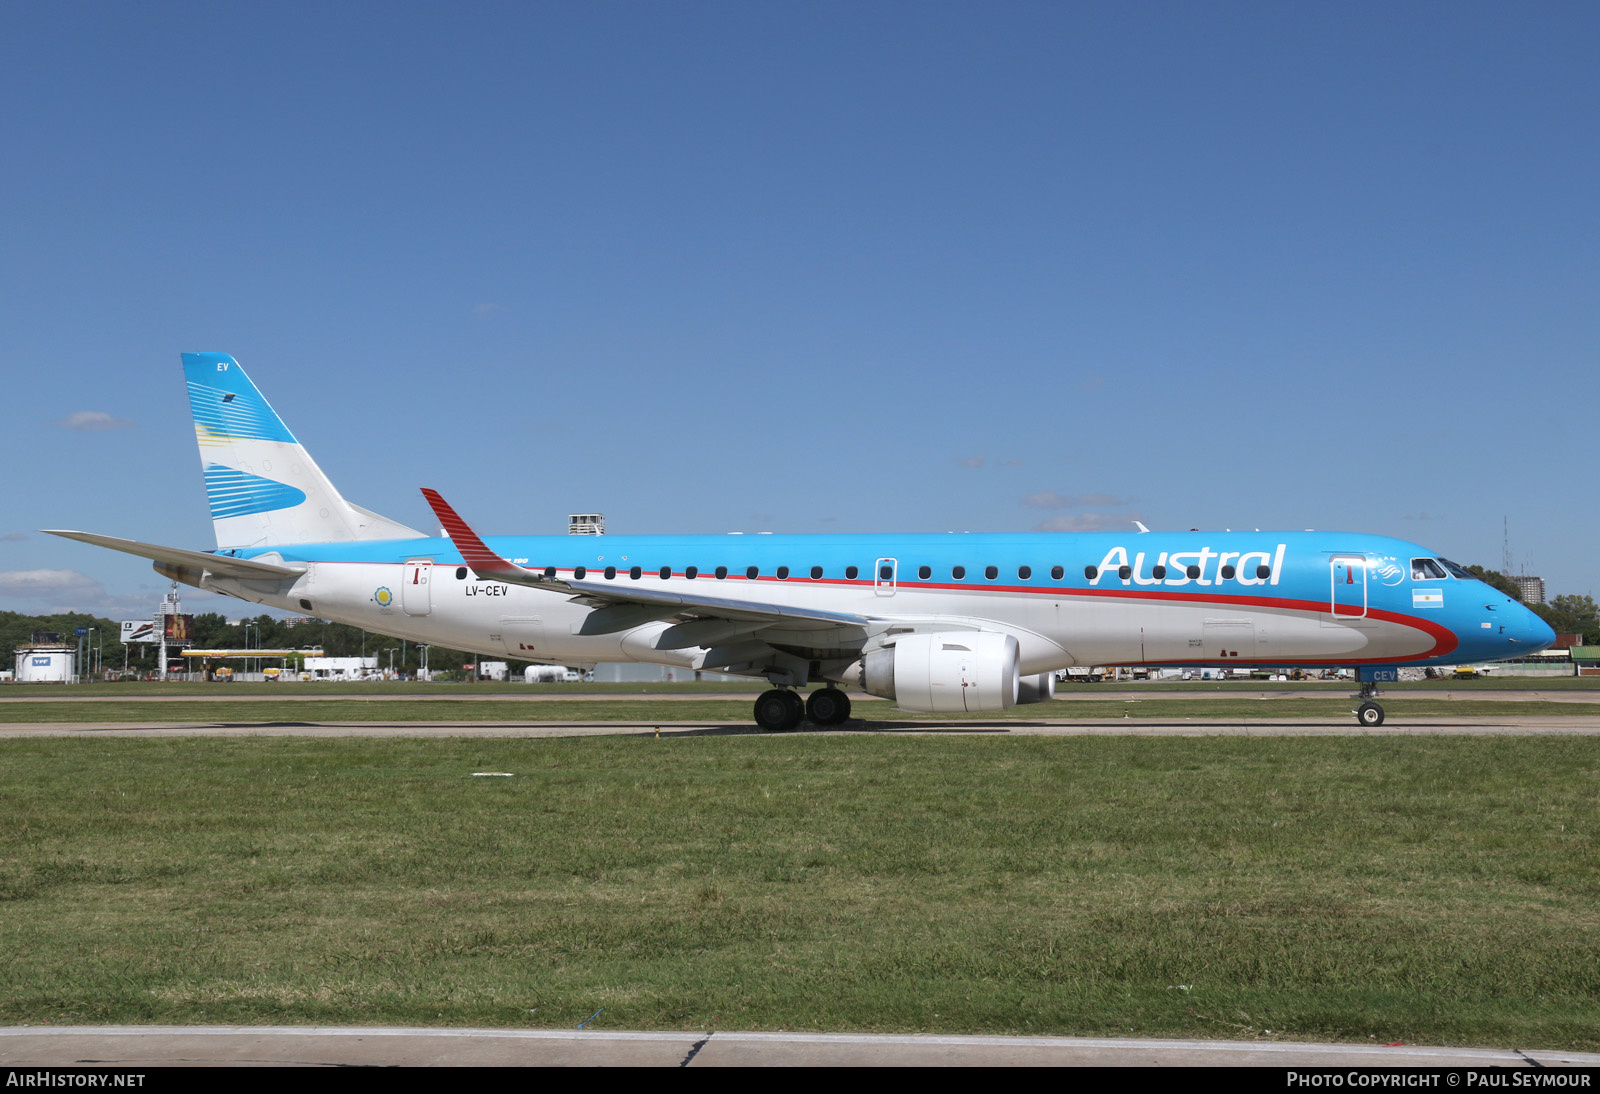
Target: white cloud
{"x":974,"y":461}
{"x":13,"y":537}
{"x":32,"y":583}
{"x":93,"y":421}
{"x":1089,"y":522}
{"x":42,"y":592}
{"x":1049,"y":499}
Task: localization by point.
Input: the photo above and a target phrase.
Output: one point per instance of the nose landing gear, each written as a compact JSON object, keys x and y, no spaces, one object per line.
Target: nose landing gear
{"x":1369,"y":713}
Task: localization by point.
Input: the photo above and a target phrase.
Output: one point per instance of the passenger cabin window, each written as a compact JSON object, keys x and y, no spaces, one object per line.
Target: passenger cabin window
{"x":549,"y":571}
{"x":722,"y":572}
{"x":783,"y":573}
{"x":461,"y":573}
{"x":1124,"y":572}
{"x":958,"y":572}
{"x":1263,"y":572}
{"x":1425,"y":569}
{"x":1024,"y":572}
{"x":634,"y":572}
{"x":691,"y":573}
{"x":924,"y":573}
{"x":816,"y":573}
{"x":1193,"y":572}
{"x":991,"y":572}
{"x":1158,"y":572}
{"x":611,"y":573}
{"x":852,"y":572}
{"x":666,"y":572}
{"x":1057,"y":573}
{"x":752,"y":572}
{"x":885,"y":573}
{"x":580,"y":573}
{"x":1091,"y":572}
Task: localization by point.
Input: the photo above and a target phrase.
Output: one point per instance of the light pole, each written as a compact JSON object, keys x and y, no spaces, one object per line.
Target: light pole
{"x":247,"y":625}
{"x":390,"y":652}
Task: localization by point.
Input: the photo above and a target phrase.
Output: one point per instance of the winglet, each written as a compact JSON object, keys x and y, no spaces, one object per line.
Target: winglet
{"x":476,"y":553}
{"x":484,"y":562}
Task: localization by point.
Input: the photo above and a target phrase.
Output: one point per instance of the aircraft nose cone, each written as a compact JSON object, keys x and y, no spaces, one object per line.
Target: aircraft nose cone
{"x":1540,"y":636}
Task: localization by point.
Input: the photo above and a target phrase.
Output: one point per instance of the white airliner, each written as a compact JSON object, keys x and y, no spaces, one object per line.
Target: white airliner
{"x":938,"y":623}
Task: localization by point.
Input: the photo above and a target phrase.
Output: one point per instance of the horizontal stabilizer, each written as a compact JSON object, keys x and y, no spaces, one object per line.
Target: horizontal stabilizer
{"x":219,"y":565}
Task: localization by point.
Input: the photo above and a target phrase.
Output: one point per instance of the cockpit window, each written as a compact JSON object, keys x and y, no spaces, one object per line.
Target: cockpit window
{"x":1425,"y":569}
{"x":1457,"y":570}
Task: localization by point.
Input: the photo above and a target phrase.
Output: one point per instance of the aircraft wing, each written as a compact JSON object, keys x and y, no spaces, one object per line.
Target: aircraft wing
{"x":488,"y":566}
{"x":219,"y":565}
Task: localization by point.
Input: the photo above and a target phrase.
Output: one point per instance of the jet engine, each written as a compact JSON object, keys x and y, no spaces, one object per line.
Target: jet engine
{"x":1037,"y":689}
{"x":945,"y":672}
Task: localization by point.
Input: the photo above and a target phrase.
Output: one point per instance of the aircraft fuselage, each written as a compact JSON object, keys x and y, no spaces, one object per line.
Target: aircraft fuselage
{"x":1247,"y":598}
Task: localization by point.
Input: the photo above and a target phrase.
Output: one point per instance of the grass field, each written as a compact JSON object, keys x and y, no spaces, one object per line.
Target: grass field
{"x":1434,"y":890}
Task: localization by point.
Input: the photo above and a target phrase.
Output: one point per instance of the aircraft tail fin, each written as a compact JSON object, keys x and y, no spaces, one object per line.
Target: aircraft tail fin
{"x":263,"y":486}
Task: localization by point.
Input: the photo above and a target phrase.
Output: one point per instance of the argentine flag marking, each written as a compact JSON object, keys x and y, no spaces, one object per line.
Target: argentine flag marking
{"x":1427,"y":598}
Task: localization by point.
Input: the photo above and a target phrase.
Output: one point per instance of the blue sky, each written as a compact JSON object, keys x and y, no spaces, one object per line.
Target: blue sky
{"x":809,"y":267}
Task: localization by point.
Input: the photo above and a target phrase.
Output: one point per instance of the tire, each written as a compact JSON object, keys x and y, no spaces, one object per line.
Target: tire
{"x":828,"y":707}
{"x":797,"y":710}
{"x":1370,"y":715}
{"x":773,"y":711}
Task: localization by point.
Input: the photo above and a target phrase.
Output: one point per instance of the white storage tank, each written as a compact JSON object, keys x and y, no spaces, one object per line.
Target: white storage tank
{"x":45,"y":660}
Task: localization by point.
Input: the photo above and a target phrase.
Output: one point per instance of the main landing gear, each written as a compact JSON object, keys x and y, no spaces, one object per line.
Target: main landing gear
{"x":780,"y":709}
{"x":1369,"y":714}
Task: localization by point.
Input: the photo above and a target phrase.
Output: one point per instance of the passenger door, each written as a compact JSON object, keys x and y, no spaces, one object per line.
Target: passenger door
{"x":1347,"y":594}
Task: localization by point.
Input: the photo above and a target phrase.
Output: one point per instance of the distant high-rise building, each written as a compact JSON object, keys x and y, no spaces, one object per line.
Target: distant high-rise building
{"x":1530,"y":589}
{"x":586,"y":524}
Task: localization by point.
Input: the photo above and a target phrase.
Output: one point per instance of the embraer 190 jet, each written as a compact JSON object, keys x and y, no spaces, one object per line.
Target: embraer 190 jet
{"x":938,"y":623}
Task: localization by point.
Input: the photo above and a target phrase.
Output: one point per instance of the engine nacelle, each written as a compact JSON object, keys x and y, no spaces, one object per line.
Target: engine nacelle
{"x":1037,"y":689}
{"x":945,"y":672}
